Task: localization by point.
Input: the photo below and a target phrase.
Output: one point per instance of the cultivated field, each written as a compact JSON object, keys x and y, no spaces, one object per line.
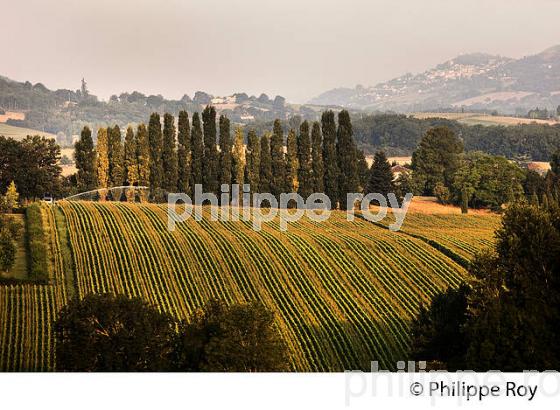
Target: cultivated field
{"x":28,"y":311}
{"x":343,"y":292}
{"x":480,"y":119}
{"x":20,"y":133}
{"x":12,"y":115}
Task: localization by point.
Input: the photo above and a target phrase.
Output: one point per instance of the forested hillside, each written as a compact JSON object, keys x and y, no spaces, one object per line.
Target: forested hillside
{"x":400,"y":134}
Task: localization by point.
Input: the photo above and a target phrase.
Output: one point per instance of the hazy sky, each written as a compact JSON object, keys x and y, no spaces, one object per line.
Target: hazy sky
{"x":296,"y":48}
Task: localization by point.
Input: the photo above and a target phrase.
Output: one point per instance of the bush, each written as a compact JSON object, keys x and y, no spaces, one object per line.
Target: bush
{"x":107,"y":333}
{"x":13,"y":226}
{"x":7,"y":251}
{"x":36,"y":244}
{"x":442,"y":193}
{"x":237,"y":338}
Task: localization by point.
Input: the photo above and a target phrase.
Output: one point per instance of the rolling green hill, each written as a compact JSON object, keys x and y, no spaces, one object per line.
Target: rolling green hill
{"x":20,"y":133}
{"x":343,"y":292}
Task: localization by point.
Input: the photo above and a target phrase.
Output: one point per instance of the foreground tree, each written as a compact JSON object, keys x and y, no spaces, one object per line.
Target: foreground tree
{"x":102,"y":162}
{"x":278,"y":163}
{"x":380,"y":175}
{"x":7,"y":250}
{"x":329,"y":156}
{"x":156,"y":144}
{"x":555,"y":163}
{"x":130,"y":162}
{"x":184,"y":153}
{"x":436,"y":159}
{"x":348,"y":180}
{"x":211,"y":161}
{"x":226,"y":167}
{"x":11,"y":196}
{"x":32,"y":163}
{"x":143,"y":159}
{"x":438,"y":332}
{"x":483,"y":180}
{"x":509,"y":321}
{"x":363,"y":170}
{"x":238,"y":338}
{"x":116,"y":157}
{"x":197,"y":151}
{"x":253,"y":161}
{"x":317,"y":158}
{"x":305,"y":168}
{"x":238,"y":160}
{"x":84,"y":155}
{"x":292,"y":162}
{"x":169,"y":154}
{"x":106,"y":333}
{"x":265,"y":171}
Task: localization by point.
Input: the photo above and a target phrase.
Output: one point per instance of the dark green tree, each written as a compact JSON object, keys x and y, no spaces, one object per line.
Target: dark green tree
{"x":184,"y":153}
{"x":486,"y":180}
{"x":84,"y":154}
{"x":266,"y":165}
{"x":225,"y":170}
{"x":292,"y":181}
{"x":143,"y":159}
{"x":534,"y":184}
{"x":32,"y":164}
{"x":555,"y":163}
{"x":238,"y":160}
{"x":116,"y":161}
{"x":348,"y":180}
{"x":436,"y":159}
{"x":305,"y":167}
{"x":211,"y":158}
{"x":380,"y":175}
{"x":169,"y":154}
{"x":513,"y":305}
{"x":106,"y":333}
{"x":278,"y":162}
{"x":363,"y":170}
{"x":155,"y":139}
{"x":237,"y":338}
{"x":102,"y":166}
{"x":317,"y":158}
{"x":130,"y":162}
{"x":330,"y":160}
{"x":7,"y":251}
{"x":515,"y":310}
{"x":438,"y":334}
{"x":197,"y":151}
{"x":253,"y":161}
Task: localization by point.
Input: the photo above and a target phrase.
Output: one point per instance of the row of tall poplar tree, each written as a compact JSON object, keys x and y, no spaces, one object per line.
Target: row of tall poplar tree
{"x":319,"y":157}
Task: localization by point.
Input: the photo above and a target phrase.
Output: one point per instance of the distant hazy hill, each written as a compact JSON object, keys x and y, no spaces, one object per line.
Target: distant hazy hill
{"x":474,"y":81}
{"x":66,"y":111}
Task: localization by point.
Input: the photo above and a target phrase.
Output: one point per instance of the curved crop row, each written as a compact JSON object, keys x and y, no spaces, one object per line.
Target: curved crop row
{"x":343,"y":292}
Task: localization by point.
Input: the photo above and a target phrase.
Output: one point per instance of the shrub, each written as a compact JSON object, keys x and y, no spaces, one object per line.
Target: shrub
{"x":7,"y":251}
{"x":36,"y":243}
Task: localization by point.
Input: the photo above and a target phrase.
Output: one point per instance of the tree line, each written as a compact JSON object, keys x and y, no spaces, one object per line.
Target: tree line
{"x":176,"y":155}
{"x":441,"y":168}
{"x":506,"y":315}
{"x":91,"y":337}
{"x":399,"y":135}
{"x":32,"y":164}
